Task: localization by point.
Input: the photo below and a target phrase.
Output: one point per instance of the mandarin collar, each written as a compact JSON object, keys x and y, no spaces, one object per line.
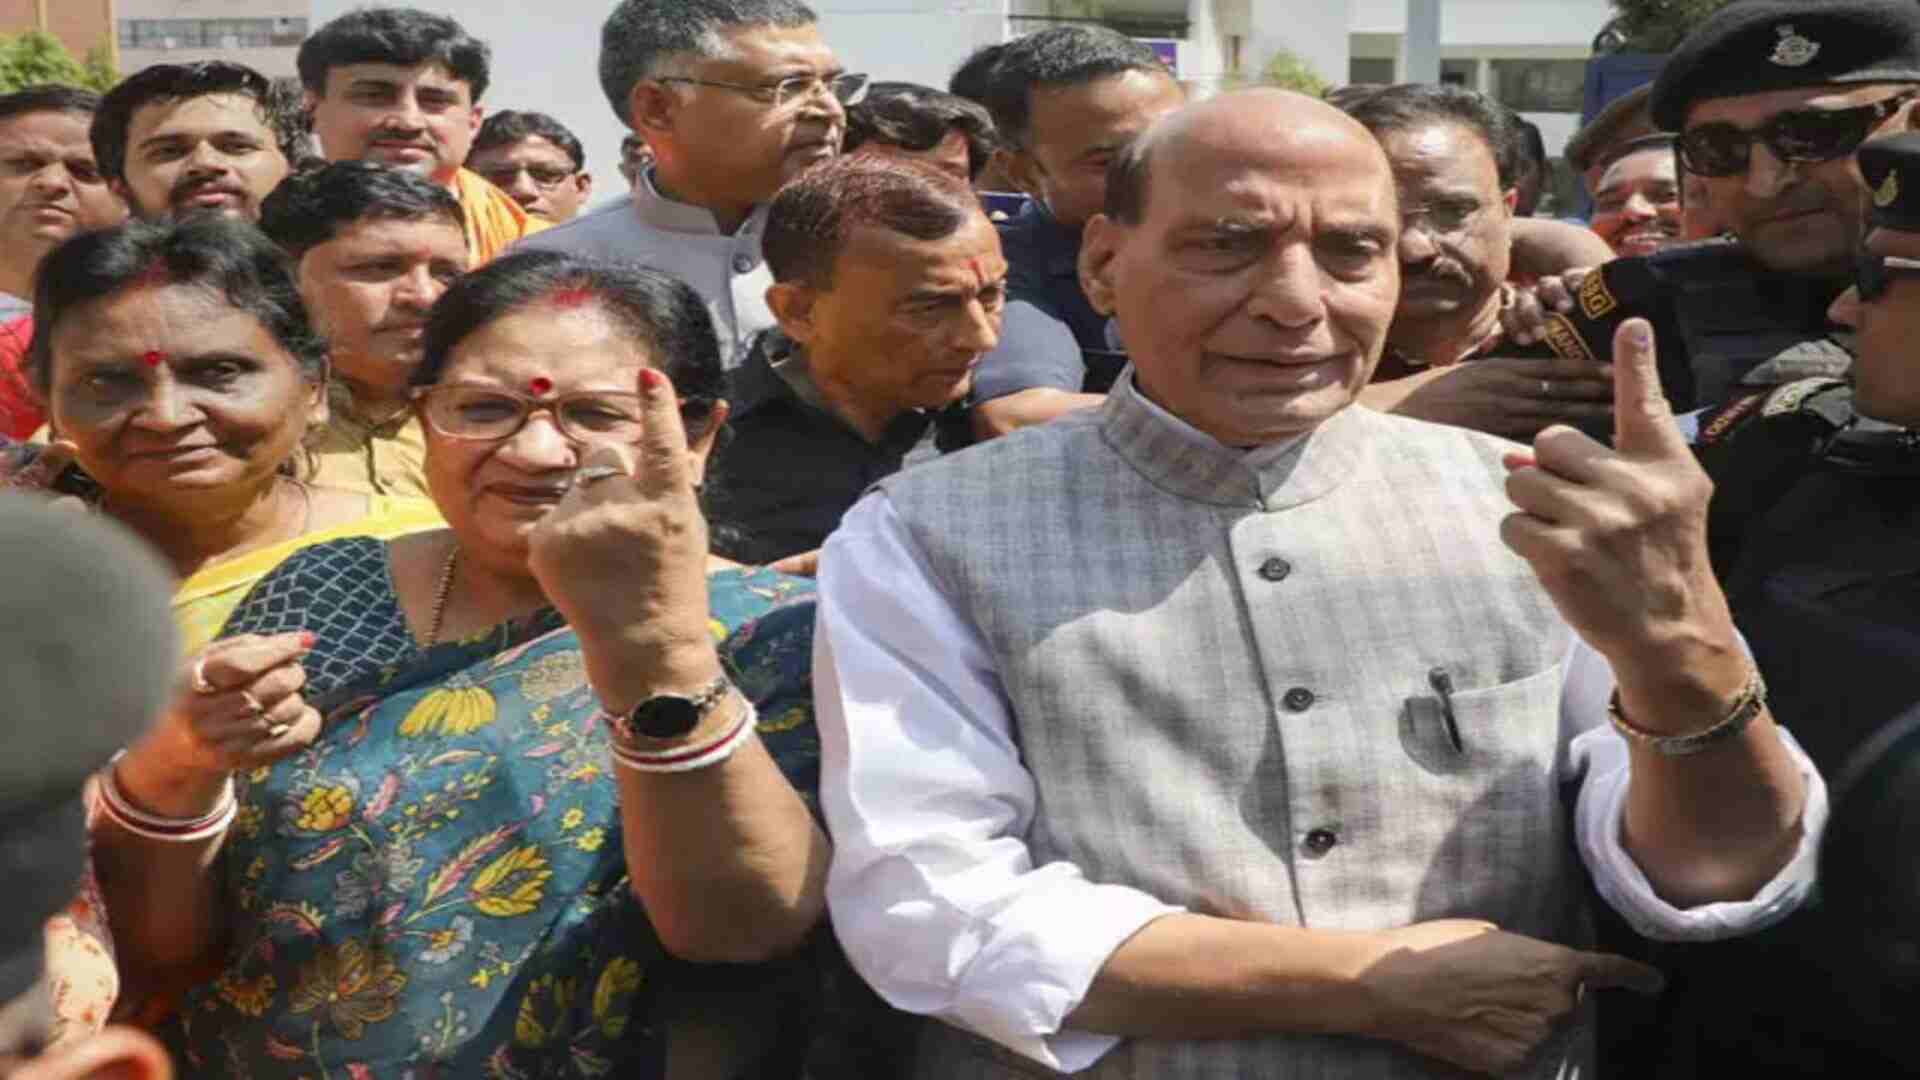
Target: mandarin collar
{"x":667,"y":215}
{"x":1181,"y":460}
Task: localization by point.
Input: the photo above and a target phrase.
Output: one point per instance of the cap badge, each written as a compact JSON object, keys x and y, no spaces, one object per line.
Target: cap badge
{"x":1888,"y":192}
{"x":1792,"y":50}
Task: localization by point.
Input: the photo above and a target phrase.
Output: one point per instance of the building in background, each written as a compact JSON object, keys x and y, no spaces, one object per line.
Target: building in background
{"x":81,"y":25}
{"x":262,"y":34}
{"x":1530,"y":54}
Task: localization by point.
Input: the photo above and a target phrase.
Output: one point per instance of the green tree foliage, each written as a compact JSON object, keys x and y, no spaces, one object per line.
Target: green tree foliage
{"x":36,"y":58}
{"x":1656,"y":26}
{"x":1289,"y":72}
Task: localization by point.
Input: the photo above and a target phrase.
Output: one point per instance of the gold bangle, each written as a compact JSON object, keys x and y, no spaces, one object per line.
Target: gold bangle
{"x":1747,"y":705}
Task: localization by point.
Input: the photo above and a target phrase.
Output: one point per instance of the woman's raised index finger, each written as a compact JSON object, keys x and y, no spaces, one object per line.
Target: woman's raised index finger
{"x":664,"y":468}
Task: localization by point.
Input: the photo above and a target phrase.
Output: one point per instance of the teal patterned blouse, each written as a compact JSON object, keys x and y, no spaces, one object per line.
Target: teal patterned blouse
{"x":437,"y":887}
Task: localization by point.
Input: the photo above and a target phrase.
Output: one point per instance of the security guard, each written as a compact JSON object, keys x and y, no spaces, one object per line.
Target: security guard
{"x":1815,"y":525}
{"x":1770,"y":100}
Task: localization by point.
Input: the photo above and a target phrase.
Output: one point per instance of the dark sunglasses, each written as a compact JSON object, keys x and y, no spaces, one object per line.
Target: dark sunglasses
{"x":1874,"y":274}
{"x":1800,"y":136}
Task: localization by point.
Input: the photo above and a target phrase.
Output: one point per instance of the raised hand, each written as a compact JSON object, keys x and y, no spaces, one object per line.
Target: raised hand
{"x":240,"y":706}
{"x":1618,"y":536}
{"x":624,"y":556}
{"x":1465,"y":992}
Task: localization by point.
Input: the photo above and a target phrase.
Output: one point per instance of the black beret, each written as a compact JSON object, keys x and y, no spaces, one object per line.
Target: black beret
{"x":1761,"y":45}
{"x":1892,"y":168}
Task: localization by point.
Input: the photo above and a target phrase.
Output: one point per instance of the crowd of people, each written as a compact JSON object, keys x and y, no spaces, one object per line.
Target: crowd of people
{"x":1044,"y":576}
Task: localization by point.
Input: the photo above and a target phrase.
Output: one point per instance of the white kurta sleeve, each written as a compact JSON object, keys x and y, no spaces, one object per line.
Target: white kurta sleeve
{"x":933,"y":890}
{"x":1598,"y":755}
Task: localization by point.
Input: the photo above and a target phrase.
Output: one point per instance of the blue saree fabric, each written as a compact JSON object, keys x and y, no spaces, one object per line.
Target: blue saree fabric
{"x":437,"y":886}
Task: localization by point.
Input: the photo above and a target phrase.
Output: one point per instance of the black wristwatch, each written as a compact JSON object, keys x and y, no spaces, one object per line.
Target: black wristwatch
{"x":669,"y":716}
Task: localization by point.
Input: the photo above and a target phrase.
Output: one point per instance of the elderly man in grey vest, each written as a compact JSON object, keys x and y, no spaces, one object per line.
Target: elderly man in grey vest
{"x":1231,"y":730}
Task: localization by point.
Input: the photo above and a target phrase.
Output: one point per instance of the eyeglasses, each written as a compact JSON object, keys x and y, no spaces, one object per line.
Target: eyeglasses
{"x":1797,"y":136}
{"x":1874,"y":274}
{"x":545,"y":177}
{"x":846,"y":89}
{"x":486,"y":413}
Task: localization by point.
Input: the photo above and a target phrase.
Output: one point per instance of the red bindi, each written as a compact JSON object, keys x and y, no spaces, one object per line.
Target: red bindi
{"x":153,"y":358}
{"x":539,"y":385}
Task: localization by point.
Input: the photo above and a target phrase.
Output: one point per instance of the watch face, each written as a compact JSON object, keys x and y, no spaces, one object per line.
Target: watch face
{"x":665,"y":717}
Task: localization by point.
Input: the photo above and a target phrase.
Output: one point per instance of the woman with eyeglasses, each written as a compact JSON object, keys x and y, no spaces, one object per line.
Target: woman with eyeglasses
{"x":520,"y":797}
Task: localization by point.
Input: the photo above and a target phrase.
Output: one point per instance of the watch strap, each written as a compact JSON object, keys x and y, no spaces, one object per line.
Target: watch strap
{"x":623,"y":725}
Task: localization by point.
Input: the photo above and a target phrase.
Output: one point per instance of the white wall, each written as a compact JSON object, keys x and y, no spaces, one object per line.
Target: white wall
{"x":1491,"y":22}
{"x":912,"y":40}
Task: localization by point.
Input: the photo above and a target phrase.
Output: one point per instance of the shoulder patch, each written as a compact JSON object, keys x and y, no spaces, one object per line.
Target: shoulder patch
{"x":1789,"y":397}
{"x":1595,"y":300}
{"x":1565,"y":341}
{"x":1718,"y":422}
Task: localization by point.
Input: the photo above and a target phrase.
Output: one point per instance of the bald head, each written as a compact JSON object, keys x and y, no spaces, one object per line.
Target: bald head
{"x":1266,"y":126}
{"x":1247,"y":253}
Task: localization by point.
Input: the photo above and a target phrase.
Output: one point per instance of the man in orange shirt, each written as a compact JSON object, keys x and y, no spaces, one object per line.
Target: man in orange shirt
{"x":401,"y":87}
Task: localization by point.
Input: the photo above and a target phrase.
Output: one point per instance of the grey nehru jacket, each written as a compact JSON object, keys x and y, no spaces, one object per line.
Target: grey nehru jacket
{"x":648,"y":229}
{"x":1226,"y":703}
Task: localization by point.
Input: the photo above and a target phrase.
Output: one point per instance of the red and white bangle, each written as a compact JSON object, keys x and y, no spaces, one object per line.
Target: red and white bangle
{"x":114,"y":804}
{"x":691,"y":757}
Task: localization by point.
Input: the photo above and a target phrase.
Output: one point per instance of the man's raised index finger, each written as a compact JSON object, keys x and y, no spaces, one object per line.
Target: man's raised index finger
{"x":1642,"y":420}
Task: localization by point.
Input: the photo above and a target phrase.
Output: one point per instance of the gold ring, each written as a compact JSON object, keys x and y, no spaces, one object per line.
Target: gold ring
{"x":277,"y":730}
{"x":593,"y":474}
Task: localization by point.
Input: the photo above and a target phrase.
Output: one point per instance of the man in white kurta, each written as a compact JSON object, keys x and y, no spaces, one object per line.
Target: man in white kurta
{"x":1231,"y":730}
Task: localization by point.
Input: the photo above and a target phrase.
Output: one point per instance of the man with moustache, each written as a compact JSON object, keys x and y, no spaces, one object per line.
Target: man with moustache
{"x":1448,"y":357}
{"x":1636,"y":203}
{"x":1768,"y":100}
{"x":402,"y":87}
{"x":1231,"y":730}
{"x":536,"y":160}
{"x":888,"y":285}
{"x":177,"y":139}
{"x":373,"y":248}
{"x":1815,"y":523}
{"x":734,"y":98}
{"x":50,"y":188}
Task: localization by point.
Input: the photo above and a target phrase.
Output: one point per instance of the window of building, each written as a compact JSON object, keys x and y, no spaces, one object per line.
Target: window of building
{"x":210,"y":33}
{"x":1540,"y":85}
{"x":1364,"y":69}
{"x":1460,"y":73}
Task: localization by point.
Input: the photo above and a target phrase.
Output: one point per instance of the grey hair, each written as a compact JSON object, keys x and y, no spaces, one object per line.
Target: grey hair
{"x":640,"y":34}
